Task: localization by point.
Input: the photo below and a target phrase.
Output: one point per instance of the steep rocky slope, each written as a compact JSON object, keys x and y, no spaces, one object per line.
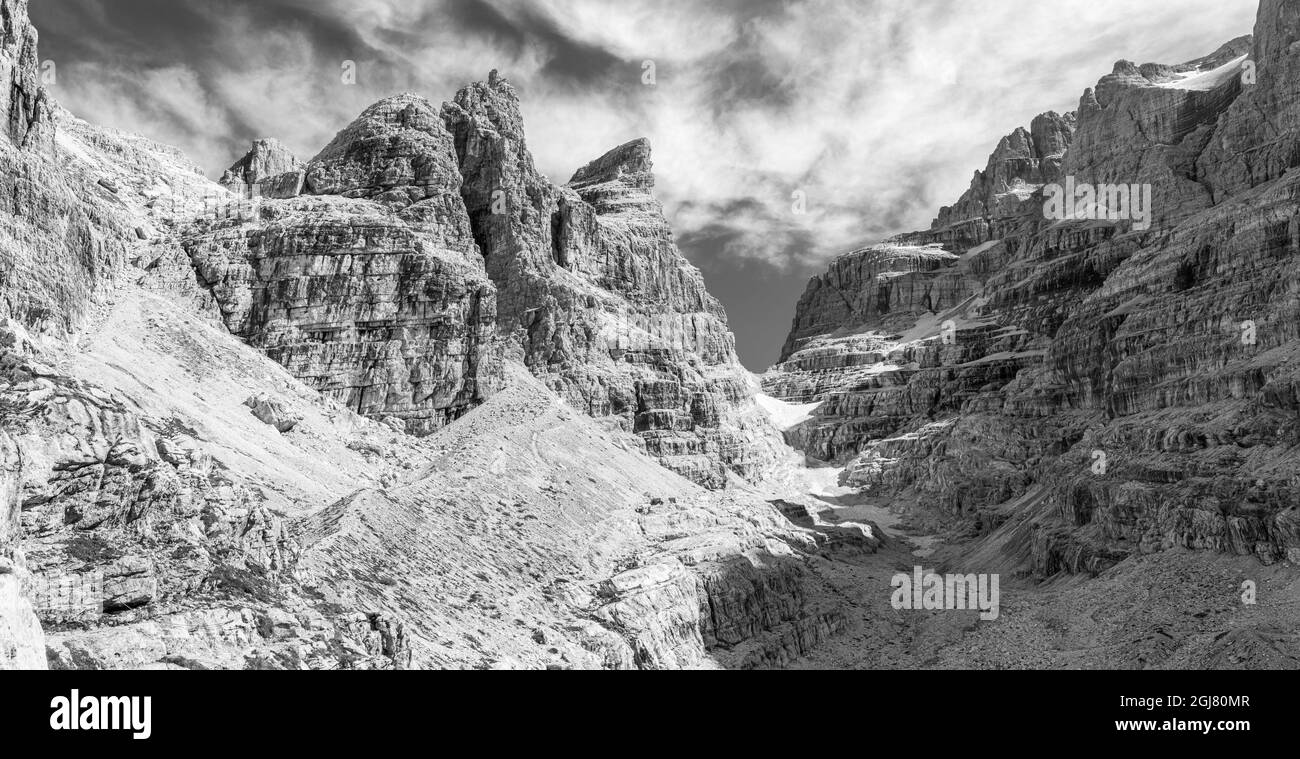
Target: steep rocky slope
{"x":552,"y":562}
{"x":1087,"y":389}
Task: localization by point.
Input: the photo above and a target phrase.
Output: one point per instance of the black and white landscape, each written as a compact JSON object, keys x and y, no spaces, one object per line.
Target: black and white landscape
{"x":385,"y":391}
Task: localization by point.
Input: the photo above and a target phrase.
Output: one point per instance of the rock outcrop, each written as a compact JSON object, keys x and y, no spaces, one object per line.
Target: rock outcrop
{"x":595,"y":295}
{"x":425,"y":249}
{"x":269,"y":170}
{"x":24,"y":105}
{"x":1023,"y":162}
{"x":369,"y":287}
{"x":1089,"y":389}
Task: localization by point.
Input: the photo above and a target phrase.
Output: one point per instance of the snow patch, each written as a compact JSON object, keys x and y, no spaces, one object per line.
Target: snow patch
{"x":786,"y":415}
{"x":1202,"y":81}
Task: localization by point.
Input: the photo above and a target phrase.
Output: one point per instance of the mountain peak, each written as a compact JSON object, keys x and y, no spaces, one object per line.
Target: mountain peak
{"x":265,"y":159}
{"x":630,"y":162}
{"x":494,"y":102}
{"x":397,"y":151}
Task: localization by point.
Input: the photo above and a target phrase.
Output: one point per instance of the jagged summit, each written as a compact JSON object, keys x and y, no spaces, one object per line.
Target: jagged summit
{"x":1023,"y":162}
{"x":621,"y":182}
{"x":268,"y":168}
{"x":396,"y":152}
{"x":495,"y":102}
{"x":629,"y":162}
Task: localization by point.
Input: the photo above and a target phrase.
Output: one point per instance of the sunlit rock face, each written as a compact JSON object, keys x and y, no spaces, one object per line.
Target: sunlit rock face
{"x":369,"y":286}
{"x":1088,"y":389}
{"x":35,"y":292}
{"x":269,"y":169}
{"x":24,"y":105}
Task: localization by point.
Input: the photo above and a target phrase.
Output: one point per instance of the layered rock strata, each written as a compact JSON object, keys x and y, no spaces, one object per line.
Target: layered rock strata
{"x":596,"y":296}
{"x":1101,"y":389}
{"x":426,"y":247}
{"x":269,"y":170}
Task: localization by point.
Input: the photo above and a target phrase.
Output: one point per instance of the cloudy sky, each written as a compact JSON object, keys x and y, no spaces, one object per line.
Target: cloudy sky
{"x":874,"y":112}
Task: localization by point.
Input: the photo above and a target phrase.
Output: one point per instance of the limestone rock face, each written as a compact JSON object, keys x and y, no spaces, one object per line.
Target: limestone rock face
{"x":22,"y":643}
{"x":267,"y":170}
{"x":861,"y":376}
{"x":1259,"y":138}
{"x":1089,"y":390}
{"x":372,"y":307}
{"x":369,"y":287}
{"x":24,"y":105}
{"x":425,"y":249}
{"x":398,"y":154}
{"x":595,"y":296}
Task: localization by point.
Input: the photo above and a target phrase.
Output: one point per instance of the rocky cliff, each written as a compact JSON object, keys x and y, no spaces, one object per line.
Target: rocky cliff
{"x":425,"y":249}
{"x":25,"y":116}
{"x":1082,"y":389}
{"x":268,"y":169}
{"x":594,"y":294}
{"x":369,"y":287}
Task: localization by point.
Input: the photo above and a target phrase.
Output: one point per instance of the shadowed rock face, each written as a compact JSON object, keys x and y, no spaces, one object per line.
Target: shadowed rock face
{"x":1259,"y":138}
{"x":1089,"y":390}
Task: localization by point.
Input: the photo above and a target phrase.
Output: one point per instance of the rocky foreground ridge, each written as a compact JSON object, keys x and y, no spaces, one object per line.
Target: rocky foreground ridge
{"x":341,"y":413}
{"x":1077,"y":391}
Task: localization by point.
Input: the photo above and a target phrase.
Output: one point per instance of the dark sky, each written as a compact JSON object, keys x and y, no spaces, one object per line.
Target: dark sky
{"x":875,"y":112}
